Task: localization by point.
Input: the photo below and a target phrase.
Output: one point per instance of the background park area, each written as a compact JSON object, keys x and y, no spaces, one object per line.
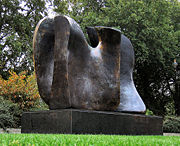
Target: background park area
{"x":154,"y":30}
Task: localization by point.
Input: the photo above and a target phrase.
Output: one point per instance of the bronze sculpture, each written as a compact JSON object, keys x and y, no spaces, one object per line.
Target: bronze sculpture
{"x":72,"y":74}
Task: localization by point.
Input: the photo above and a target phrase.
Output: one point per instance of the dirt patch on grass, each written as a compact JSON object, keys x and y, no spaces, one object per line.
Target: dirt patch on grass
{"x":171,"y":134}
{"x":10,"y":130}
{"x":13,"y":130}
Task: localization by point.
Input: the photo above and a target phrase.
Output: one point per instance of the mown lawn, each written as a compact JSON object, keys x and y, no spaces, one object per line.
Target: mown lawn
{"x":60,"y":139}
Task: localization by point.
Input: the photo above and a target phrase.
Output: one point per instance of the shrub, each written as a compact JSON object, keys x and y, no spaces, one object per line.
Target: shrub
{"x":171,"y":124}
{"x":17,"y":94}
{"x":149,"y":112}
{"x":21,"y":89}
{"x":39,"y":105}
{"x":9,"y":114}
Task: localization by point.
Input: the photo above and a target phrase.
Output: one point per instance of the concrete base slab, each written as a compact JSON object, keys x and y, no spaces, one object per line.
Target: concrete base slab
{"x":72,"y":121}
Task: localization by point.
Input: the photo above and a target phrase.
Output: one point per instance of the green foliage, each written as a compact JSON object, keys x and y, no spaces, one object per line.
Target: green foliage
{"x":170,"y":109}
{"x":18,"y":19}
{"x":39,"y":105}
{"x":9,"y":114}
{"x":171,"y":124}
{"x":54,"y":139}
{"x":149,"y":113}
{"x":85,"y":12}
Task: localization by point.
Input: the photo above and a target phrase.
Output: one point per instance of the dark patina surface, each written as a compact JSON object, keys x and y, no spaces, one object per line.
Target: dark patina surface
{"x":72,"y":74}
{"x":130,"y":101}
{"x":74,"y":121}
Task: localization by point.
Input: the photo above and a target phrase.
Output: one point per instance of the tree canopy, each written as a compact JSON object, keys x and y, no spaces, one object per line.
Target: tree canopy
{"x":18,"y":19}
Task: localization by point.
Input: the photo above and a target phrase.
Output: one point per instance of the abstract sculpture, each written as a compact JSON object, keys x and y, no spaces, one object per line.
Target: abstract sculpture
{"x":72,"y":74}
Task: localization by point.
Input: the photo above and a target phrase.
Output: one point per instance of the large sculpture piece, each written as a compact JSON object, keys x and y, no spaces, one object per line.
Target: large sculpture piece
{"x":72,"y":74}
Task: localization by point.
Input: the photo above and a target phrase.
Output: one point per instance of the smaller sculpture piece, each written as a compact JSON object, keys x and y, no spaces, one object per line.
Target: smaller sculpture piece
{"x":72,"y":74}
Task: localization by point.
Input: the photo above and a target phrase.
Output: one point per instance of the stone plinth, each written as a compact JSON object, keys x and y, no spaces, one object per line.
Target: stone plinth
{"x":71,"y":121}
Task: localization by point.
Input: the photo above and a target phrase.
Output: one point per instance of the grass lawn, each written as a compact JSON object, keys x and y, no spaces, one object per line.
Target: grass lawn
{"x":61,"y":139}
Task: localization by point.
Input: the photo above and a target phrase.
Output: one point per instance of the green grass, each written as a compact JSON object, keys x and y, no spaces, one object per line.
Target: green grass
{"x":55,"y":139}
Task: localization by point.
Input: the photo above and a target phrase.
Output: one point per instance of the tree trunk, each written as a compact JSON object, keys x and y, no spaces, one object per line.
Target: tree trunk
{"x":177,"y":98}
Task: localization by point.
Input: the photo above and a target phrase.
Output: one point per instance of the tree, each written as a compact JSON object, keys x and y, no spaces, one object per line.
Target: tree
{"x":153,"y":28}
{"x":18,"y":19}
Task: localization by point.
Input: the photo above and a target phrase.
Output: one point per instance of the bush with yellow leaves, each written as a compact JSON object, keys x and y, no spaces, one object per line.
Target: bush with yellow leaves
{"x":21,"y":89}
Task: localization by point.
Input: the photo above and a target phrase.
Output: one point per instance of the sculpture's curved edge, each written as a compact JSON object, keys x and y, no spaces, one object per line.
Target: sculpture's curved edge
{"x":130,"y":98}
{"x":43,"y":42}
{"x":130,"y":101}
